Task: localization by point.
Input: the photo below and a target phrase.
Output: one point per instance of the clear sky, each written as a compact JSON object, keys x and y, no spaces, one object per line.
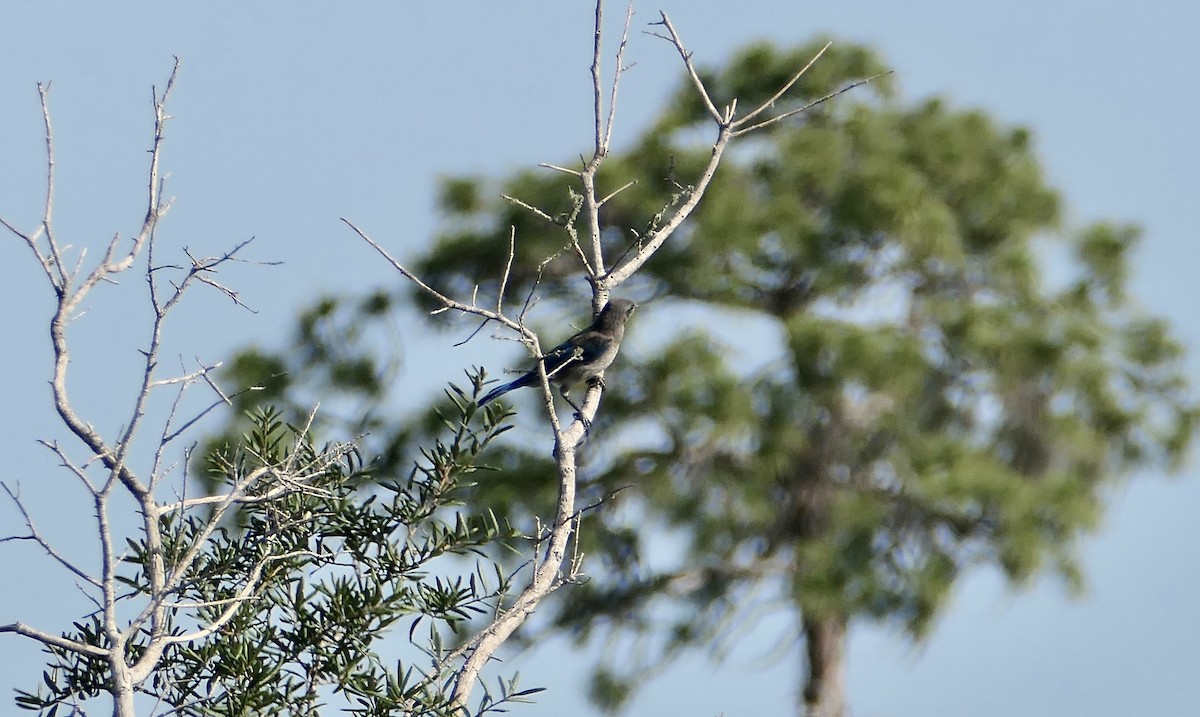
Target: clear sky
{"x":289,"y":115}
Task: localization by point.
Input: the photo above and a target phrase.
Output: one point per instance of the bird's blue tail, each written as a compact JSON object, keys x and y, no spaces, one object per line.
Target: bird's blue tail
{"x":499,"y":391}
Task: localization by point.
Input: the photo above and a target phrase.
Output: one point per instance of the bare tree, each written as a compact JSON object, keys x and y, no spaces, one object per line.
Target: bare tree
{"x":553,"y":567}
{"x":104,"y":469}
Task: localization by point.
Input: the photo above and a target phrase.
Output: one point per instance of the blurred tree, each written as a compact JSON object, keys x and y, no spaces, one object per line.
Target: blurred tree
{"x":881,"y":388}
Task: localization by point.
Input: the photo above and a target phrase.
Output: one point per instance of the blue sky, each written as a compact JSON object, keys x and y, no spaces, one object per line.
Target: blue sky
{"x":290,"y":115}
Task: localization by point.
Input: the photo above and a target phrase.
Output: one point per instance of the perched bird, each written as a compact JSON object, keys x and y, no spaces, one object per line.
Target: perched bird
{"x":581,"y":357}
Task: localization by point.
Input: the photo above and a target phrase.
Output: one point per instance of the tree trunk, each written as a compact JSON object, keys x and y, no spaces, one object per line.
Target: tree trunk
{"x":824,"y":687}
{"x":122,"y":692}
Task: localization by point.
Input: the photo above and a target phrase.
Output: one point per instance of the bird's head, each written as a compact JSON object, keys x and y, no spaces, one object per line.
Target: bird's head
{"x":617,"y":311}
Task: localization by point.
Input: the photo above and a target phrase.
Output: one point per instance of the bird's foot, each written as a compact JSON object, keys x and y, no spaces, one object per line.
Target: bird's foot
{"x":587,"y":425}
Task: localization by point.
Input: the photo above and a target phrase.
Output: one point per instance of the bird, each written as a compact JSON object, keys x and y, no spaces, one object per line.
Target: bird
{"x":580,"y":358}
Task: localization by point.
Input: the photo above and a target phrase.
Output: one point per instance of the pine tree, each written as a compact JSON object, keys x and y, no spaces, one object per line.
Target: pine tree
{"x":883,"y":384}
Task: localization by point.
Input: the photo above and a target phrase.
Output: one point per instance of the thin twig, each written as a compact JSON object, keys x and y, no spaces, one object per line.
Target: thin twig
{"x":48,"y":213}
{"x":76,"y":470}
{"x":618,"y":70}
{"x":597,"y":85}
{"x":186,"y":378}
{"x":530,"y":207}
{"x":446,"y":301}
{"x":37,"y":537}
{"x":691,"y":69}
{"x":616,"y":191}
{"x":782,"y":90}
{"x":810,"y":105}
{"x":564,"y":170}
{"x":223,"y":400}
{"x":508,"y":263}
{"x":473,"y":334}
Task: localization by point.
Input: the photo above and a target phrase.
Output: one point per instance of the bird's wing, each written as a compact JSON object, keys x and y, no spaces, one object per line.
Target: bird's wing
{"x":585,"y":346}
{"x":592,"y":345}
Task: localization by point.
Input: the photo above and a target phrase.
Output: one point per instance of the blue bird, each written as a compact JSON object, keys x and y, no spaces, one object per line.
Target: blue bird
{"x":580,"y":358}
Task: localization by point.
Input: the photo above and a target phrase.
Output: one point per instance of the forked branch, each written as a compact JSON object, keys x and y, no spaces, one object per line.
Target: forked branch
{"x":548,"y":571}
{"x":729,"y":126}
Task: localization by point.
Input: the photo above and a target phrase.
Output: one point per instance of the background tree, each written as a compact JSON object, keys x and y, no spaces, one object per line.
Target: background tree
{"x":901,"y":365}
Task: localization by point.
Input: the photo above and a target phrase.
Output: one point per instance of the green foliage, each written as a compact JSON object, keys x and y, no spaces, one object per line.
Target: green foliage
{"x":316,"y":578}
{"x":927,"y":400}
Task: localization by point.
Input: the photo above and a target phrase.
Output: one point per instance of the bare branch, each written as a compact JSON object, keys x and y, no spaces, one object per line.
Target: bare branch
{"x":445,"y":300}
{"x":546,"y":573}
{"x":544,"y":580}
{"x":167,"y":436}
{"x":564,"y":170}
{"x":617,"y":72}
{"x":512,"y":252}
{"x":810,"y":105}
{"x":58,"y":641}
{"x":37,"y":537}
{"x":603,"y":135}
{"x":186,"y":378}
{"x":516,"y":325}
{"x":656,"y":238}
{"x":675,"y":40}
{"x":471,"y":335}
{"x":48,"y":213}
{"x":31,"y":241}
{"x":616,"y":191}
{"x":221,"y":394}
{"x":530,"y":207}
{"x":597,"y":86}
{"x":77,"y":471}
{"x":244,"y":594}
{"x":155,"y":209}
{"x":568,"y":224}
{"x":591,"y":209}
{"x":112,"y":456}
{"x":782,"y":90}
{"x":222,"y":401}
